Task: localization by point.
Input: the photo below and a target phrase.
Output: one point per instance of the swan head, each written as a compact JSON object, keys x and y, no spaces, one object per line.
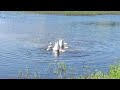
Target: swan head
{"x":50,"y":43}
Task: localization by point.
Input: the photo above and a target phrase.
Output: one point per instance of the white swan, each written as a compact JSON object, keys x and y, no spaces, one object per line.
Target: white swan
{"x":50,"y":46}
{"x":65,"y":46}
{"x":56,"y":47}
{"x":61,"y":44}
{"x":59,"y":47}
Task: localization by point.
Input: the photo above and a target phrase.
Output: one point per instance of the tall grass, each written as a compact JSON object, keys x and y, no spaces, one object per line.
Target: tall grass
{"x":113,"y":73}
{"x":61,"y":72}
{"x":28,"y":75}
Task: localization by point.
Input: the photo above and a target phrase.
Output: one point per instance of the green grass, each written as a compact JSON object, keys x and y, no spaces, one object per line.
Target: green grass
{"x":28,"y":75}
{"x":61,"y":71}
{"x":75,"y":12}
{"x":113,"y":73}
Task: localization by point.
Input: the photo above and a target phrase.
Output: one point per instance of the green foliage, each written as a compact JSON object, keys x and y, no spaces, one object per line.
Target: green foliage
{"x":61,"y":70}
{"x":113,"y":73}
{"x":27,"y":75}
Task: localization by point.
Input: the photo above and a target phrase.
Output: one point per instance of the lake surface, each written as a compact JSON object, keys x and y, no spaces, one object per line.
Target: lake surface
{"x":93,"y":41}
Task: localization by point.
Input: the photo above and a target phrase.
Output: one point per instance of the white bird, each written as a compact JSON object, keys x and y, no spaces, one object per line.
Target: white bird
{"x":59,"y":47}
{"x":56,"y":47}
{"x":65,"y":43}
{"x":61,"y":44}
{"x":50,"y":46}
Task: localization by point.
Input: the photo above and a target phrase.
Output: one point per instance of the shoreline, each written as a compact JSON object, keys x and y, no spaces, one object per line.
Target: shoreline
{"x":74,"y":13}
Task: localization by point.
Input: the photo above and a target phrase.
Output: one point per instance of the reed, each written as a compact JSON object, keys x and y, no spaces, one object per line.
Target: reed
{"x":61,"y":72}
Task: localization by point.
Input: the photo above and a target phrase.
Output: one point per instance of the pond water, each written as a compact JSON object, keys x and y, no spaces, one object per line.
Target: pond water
{"x":93,"y":41}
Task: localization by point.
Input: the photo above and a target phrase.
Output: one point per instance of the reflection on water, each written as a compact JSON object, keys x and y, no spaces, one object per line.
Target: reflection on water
{"x":56,"y":54}
{"x":24,"y":39}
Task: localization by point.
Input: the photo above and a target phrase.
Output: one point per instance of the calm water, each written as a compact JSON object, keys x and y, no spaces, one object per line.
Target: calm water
{"x":94,"y":42}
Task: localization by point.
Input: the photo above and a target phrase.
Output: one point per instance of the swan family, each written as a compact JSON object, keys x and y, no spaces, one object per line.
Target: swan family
{"x":58,"y":47}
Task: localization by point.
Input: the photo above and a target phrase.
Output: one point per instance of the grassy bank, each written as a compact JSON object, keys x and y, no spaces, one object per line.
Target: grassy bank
{"x":113,"y":73}
{"x":61,"y":72}
{"x":76,"y":12}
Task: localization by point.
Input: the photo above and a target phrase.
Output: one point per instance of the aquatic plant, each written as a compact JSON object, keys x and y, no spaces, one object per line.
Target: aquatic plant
{"x":113,"y":73}
{"x":61,"y":71}
{"x":28,"y":75}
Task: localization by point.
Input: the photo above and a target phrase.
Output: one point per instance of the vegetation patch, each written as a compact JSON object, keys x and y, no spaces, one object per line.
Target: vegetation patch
{"x":76,"y":13}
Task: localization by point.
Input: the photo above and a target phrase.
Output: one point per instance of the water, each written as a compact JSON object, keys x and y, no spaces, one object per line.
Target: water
{"x":93,"y":41}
